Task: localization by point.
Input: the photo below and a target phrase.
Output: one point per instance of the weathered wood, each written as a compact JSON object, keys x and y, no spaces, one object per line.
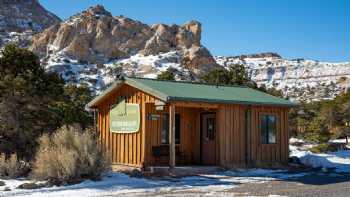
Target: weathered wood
{"x":172,"y":136}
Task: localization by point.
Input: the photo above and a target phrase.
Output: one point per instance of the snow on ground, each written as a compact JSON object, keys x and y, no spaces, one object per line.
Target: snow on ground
{"x":121,"y":184}
{"x":339,"y":161}
{"x":209,"y":184}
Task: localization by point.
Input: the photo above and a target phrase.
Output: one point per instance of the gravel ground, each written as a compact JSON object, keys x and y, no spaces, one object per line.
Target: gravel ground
{"x":315,"y":184}
{"x":310,"y":185}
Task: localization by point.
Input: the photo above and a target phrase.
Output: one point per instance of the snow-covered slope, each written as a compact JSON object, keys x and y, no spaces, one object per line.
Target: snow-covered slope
{"x":21,"y":19}
{"x":22,"y":15}
{"x":299,"y":79}
{"x":99,"y":76}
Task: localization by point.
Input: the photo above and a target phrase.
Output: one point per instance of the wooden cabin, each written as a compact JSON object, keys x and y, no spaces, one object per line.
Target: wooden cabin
{"x":146,"y":122}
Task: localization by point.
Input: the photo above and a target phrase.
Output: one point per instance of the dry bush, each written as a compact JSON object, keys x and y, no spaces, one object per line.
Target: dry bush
{"x":70,"y":154}
{"x":13,"y":168}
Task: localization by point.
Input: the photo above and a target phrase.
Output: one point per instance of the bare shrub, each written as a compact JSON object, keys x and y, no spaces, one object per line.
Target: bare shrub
{"x":13,"y":168}
{"x":70,"y":154}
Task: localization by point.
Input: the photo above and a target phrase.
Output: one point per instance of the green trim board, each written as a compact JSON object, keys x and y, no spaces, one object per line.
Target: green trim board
{"x":169,"y":91}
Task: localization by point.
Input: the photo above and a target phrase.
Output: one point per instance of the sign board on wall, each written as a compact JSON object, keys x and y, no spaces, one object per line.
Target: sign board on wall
{"x":125,"y":118}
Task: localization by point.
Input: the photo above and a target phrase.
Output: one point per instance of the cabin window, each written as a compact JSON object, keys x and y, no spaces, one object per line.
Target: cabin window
{"x":211,"y":128}
{"x":268,"y":129}
{"x":165,"y":129}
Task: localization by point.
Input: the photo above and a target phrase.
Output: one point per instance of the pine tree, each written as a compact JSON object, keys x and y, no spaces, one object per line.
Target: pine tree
{"x":27,"y":99}
{"x":72,"y":107}
{"x":236,"y":75}
{"x":167,"y":75}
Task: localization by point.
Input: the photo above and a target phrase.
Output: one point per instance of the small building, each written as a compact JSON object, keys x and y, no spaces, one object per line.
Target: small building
{"x":147,"y":122}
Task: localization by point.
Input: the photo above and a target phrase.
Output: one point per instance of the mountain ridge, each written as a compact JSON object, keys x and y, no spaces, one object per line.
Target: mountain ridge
{"x":94,"y":48}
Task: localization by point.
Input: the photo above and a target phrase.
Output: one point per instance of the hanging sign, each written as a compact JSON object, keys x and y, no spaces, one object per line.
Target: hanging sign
{"x":125,"y":118}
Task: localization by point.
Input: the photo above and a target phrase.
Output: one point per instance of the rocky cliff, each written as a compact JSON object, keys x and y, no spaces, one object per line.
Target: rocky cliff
{"x":22,"y":15}
{"x":96,"y":37}
{"x":20,"y":19}
{"x":299,"y":79}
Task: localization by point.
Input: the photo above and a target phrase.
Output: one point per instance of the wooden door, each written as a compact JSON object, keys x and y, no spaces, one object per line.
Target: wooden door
{"x":208,"y":141}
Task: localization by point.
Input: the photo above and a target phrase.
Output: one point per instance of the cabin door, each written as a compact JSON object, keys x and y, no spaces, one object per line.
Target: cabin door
{"x":208,"y":141}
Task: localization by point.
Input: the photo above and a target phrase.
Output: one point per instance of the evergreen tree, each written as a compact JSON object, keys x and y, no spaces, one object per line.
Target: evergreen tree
{"x":167,"y":75}
{"x":72,"y":107}
{"x":28,"y":97}
{"x":236,"y":75}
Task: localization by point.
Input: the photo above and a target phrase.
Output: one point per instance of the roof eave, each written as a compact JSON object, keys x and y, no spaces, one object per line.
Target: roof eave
{"x":170,"y":99}
{"x":147,"y":89}
{"x":92,"y":104}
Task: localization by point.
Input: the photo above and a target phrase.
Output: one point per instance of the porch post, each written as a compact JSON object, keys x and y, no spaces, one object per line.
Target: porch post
{"x":172,"y":136}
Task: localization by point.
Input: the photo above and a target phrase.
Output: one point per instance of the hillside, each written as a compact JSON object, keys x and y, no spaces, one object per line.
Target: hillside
{"x":93,"y":47}
{"x":20,"y":19}
{"x":299,"y":79}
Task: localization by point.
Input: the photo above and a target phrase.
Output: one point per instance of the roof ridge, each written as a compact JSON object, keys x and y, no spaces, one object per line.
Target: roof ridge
{"x":191,"y":82}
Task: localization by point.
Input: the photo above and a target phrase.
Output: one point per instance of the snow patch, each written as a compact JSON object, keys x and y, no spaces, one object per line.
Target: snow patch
{"x":121,"y":184}
{"x":339,"y":161}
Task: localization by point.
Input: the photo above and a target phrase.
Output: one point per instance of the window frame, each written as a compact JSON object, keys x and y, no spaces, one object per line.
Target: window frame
{"x":267,"y":142}
{"x":211,"y":134}
{"x":177,"y":129}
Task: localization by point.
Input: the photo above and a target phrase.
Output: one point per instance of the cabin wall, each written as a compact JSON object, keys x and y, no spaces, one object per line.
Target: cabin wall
{"x":124,"y":148}
{"x":270,"y":154}
{"x":232,"y":135}
{"x":240,"y":143}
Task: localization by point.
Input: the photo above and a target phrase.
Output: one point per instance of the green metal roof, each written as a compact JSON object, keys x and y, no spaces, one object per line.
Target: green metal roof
{"x":187,"y":91}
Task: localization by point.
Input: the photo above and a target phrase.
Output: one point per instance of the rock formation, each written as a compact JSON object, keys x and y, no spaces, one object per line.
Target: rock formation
{"x":95,"y":36}
{"x":299,"y":79}
{"x":22,"y":15}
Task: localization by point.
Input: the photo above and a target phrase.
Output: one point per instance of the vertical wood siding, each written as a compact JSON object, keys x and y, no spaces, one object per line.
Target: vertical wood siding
{"x":123,"y":148}
{"x":231,"y":131}
{"x":241,"y":145}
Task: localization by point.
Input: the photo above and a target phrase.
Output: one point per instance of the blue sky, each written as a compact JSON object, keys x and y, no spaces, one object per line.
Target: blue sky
{"x":312,"y":29}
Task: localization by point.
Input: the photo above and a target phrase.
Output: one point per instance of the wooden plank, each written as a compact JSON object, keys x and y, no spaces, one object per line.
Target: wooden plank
{"x":286,"y":130}
{"x":236,"y":134}
{"x":242,"y":135}
{"x":118,"y":147}
{"x":143,"y":131}
{"x":222,"y":135}
{"x":195,"y":104}
{"x":238,"y":140}
{"x":108,"y":133}
{"x":227,"y":135}
{"x":138,"y":136}
{"x":122,"y":148}
{"x":283,"y":147}
{"x":252,"y":135}
{"x":134,"y":136}
{"x":278,"y":138}
{"x":172,"y":136}
{"x":217,"y":138}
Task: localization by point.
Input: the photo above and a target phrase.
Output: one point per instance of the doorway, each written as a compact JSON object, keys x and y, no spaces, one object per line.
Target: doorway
{"x":208,"y":138}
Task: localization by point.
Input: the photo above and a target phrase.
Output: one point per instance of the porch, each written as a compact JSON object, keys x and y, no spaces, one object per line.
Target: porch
{"x":180,"y":134}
